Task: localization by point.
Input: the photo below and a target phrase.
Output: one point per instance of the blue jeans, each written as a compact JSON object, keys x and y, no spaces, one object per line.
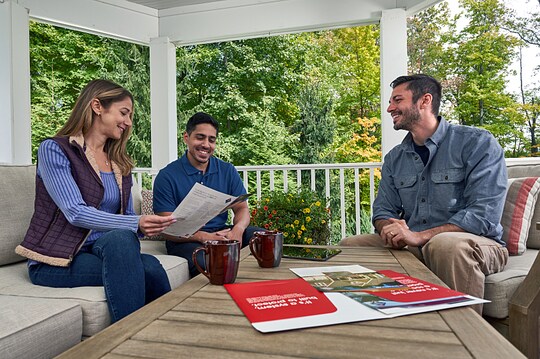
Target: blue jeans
{"x":114,"y":261}
{"x":185,"y":249}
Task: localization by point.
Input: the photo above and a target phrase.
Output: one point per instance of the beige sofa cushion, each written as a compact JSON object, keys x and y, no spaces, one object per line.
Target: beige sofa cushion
{"x":136,"y":196}
{"x":17,"y":188}
{"x":533,"y":240}
{"x":37,"y":328}
{"x":500,"y":287}
{"x":14,"y":281}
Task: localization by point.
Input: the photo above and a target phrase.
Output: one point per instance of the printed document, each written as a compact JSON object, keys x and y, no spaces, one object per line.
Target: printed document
{"x":198,"y":208}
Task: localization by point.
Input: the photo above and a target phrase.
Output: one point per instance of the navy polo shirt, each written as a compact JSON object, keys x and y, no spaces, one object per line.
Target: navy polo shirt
{"x":173,"y":183}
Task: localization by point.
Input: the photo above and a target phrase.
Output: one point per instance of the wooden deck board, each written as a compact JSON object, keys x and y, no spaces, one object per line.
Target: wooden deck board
{"x":310,"y":343}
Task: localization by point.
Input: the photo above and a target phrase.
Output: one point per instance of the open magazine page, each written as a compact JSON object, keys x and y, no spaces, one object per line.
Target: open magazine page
{"x":347,"y":281}
{"x":387,"y":291}
{"x":198,"y":208}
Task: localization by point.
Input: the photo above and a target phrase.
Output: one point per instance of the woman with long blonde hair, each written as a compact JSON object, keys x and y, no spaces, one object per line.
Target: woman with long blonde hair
{"x":84,"y":231}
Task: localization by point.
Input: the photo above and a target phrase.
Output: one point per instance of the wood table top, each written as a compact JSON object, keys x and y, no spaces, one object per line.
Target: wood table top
{"x":201,"y":320}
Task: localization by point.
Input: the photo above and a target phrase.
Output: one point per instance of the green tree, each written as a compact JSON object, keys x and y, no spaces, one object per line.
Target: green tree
{"x":314,"y":126}
{"x":481,"y":63}
{"x":60,"y":64}
{"x":241,"y":80}
{"x":428,"y":36}
{"x":527,"y":29}
{"x":63,"y":61}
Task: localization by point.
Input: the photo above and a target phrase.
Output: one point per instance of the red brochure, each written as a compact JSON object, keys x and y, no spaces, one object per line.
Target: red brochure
{"x":279,"y":299}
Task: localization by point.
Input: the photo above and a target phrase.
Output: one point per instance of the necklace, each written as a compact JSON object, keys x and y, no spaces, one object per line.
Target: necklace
{"x":107,"y":163}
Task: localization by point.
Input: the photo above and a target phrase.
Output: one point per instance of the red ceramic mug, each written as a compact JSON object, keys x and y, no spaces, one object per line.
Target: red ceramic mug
{"x":267,"y":248}
{"x":222,"y":258}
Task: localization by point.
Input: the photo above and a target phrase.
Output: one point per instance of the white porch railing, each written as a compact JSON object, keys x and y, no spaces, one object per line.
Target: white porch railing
{"x":280,"y":177}
{"x":313,"y":169}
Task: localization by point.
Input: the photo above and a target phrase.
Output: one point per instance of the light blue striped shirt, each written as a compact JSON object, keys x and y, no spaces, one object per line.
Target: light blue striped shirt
{"x":55,"y":170}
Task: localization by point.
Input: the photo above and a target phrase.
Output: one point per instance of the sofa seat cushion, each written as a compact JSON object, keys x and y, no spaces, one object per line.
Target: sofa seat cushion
{"x":176,"y":267}
{"x":38,"y":328}
{"x":501,"y":286}
{"x":14,"y":281}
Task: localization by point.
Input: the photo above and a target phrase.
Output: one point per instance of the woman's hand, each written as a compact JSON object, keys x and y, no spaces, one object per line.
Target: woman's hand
{"x":152,"y":225}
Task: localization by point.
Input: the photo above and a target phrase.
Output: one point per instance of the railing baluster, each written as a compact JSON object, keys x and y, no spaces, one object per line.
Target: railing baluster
{"x":327,"y":182}
{"x":271,"y":180}
{"x":298,"y":179}
{"x":357,"y":198}
{"x":313,"y":179}
{"x":258,"y":184}
{"x":246,"y":181}
{"x":285,"y":182}
{"x":342,"y":201}
{"x":371,"y":195}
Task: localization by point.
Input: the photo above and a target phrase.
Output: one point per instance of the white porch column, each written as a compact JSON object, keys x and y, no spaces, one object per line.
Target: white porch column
{"x":393,"y":64}
{"x":15,"y":133}
{"x":163,"y":102}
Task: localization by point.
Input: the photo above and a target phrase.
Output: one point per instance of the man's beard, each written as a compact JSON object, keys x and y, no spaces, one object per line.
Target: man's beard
{"x":408,"y":118}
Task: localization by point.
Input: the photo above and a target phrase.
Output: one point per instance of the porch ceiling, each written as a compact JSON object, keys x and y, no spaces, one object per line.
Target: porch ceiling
{"x":186,"y":22}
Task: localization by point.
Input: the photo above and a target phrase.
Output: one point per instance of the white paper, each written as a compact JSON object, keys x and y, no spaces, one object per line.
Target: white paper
{"x":348,"y":311}
{"x":198,"y":208}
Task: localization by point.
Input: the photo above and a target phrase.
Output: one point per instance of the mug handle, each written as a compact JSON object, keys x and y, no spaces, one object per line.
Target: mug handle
{"x":194,"y":257}
{"x":252,"y":249}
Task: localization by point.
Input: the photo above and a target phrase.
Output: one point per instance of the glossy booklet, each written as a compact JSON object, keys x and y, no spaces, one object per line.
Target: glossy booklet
{"x":339,"y":294}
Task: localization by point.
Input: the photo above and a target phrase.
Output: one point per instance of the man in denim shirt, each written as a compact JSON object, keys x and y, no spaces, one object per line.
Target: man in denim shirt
{"x":442,"y":191}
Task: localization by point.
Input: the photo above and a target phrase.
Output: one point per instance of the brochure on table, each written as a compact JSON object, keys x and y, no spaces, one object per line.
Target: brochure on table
{"x":351,"y":304}
{"x":198,"y":208}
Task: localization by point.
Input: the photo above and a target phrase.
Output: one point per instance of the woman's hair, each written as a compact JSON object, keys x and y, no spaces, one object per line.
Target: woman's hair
{"x":82,"y":117}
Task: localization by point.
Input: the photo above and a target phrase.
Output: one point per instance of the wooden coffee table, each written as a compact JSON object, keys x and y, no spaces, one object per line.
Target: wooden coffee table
{"x":201,"y":320}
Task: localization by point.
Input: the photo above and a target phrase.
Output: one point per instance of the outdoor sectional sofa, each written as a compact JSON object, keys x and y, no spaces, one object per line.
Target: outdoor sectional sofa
{"x":41,"y":322}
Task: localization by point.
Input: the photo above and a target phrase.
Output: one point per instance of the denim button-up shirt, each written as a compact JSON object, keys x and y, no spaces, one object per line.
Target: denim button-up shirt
{"x":463,"y":182}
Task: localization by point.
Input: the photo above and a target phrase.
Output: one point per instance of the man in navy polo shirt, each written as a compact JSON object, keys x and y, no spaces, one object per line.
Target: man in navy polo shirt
{"x":198,"y":164}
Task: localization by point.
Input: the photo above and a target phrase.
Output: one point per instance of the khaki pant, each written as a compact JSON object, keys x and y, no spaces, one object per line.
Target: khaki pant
{"x":461,"y":260}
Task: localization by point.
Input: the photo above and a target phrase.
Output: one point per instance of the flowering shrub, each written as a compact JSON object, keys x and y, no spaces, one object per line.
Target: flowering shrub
{"x":302,"y":217}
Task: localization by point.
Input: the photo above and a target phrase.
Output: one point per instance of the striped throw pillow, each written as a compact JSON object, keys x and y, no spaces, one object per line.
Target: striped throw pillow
{"x":521,"y":196}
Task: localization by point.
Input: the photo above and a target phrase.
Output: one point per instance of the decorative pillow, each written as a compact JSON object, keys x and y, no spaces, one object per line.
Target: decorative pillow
{"x":147,"y":203}
{"x":519,"y":206}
